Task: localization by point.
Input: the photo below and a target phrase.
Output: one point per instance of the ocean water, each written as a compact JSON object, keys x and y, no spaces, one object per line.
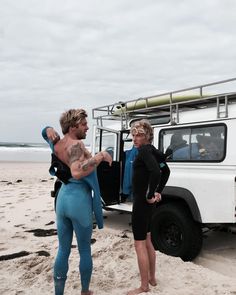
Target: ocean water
{"x":24,"y":152}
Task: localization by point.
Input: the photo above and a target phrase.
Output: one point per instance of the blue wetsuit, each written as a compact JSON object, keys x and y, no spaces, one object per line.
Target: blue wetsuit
{"x":74,"y":212}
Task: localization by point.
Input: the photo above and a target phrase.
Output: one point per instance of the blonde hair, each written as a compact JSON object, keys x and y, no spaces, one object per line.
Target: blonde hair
{"x":142,"y":127}
{"x":71,"y":118}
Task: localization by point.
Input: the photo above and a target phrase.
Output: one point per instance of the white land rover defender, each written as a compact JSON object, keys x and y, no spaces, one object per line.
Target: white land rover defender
{"x":197,"y":128}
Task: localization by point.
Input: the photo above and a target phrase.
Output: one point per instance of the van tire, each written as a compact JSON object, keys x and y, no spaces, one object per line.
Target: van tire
{"x":175,"y":233}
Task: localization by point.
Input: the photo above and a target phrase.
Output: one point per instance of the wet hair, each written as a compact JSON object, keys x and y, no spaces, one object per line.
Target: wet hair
{"x":142,"y":127}
{"x":71,"y":118}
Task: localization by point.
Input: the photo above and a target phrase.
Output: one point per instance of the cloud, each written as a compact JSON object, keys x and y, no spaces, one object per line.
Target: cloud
{"x":58,"y":54}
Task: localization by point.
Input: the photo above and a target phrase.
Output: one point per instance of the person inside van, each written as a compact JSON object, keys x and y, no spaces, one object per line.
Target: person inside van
{"x":178,"y":148}
{"x":211,"y":148}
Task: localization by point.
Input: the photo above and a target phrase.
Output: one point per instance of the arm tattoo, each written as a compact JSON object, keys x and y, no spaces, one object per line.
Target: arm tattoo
{"x":88,"y":164}
{"x":75,"y":153}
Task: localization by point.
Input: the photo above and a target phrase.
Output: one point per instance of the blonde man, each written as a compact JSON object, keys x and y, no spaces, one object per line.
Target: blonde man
{"x":75,"y":203}
{"x":150,"y":174}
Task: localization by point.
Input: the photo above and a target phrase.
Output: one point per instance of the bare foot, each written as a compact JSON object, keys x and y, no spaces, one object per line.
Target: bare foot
{"x":153,"y":282}
{"x":138,"y":291}
{"x":87,"y":293}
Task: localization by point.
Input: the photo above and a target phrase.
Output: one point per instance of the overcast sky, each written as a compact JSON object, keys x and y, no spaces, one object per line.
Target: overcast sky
{"x":61,"y":54}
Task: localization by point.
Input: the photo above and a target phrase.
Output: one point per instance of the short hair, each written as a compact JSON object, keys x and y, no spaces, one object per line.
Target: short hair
{"x":71,"y":118}
{"x":142,"y":127}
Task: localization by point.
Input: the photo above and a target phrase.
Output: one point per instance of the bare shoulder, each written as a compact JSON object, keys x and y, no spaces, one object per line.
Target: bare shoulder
{"x":75,"y":151}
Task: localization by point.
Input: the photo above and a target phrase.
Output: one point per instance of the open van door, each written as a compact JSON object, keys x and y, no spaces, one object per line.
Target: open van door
{"x":109,"y":177}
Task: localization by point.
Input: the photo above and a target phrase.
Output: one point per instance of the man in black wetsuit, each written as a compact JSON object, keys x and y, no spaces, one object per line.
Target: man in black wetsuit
{"x":150,"y":174}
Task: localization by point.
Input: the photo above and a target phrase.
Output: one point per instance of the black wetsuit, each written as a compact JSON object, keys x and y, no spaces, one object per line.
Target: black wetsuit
{"x":150,"y":174}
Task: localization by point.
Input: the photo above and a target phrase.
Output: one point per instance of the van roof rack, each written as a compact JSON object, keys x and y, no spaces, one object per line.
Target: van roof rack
{"x":169,"y":104}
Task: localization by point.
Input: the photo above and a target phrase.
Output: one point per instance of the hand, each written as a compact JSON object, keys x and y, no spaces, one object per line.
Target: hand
{"x":107,"y":157}
{"x":52,"y":135}
{"x":152,"y":200}
{"x":156,"y":198}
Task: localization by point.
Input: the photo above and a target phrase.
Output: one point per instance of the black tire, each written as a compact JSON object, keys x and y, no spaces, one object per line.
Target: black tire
{"x":175,"y":233}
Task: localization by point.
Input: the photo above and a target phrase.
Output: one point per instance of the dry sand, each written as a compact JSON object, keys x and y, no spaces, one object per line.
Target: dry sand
{"x":26,"y":205}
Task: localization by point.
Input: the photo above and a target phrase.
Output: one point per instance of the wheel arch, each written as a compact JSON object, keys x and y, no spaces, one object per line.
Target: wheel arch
{"x":179,"y":193}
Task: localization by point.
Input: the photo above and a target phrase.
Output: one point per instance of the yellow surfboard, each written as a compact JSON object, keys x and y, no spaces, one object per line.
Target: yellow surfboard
{"x":153,"y":101}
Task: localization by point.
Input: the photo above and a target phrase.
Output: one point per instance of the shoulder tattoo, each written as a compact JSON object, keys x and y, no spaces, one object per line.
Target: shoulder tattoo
{"x":75,"y":153}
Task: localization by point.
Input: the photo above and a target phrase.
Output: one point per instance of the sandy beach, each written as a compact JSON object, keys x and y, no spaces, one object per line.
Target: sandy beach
{"x":28,"y":230}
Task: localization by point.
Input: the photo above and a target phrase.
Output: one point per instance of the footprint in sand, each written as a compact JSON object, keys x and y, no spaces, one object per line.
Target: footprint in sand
{"x":19,"y":225}
{"x":35,"y":218}
{"x":3,"y":248}
{"x":18,"y":236}
{"x":20,"y":200}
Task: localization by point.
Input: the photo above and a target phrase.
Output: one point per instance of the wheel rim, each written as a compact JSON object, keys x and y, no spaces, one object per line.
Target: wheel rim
{"x":171,"y":235}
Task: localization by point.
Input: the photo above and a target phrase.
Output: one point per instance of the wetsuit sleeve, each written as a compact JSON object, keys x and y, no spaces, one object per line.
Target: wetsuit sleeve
{"x":154,"y":171}
{"x":165,"y":173}
{"x":44,"y":135}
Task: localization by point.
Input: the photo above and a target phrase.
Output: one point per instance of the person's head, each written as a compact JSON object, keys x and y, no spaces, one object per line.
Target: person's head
{"x":177,"y":140}
{"x":74,"y":120}
{"x":141,"y":132}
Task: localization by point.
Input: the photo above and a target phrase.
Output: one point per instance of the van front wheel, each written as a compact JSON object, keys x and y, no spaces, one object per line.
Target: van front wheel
{"x":175,"y":233}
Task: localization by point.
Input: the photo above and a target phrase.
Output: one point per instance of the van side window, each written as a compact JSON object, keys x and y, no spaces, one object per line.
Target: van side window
{"x":205,"y":143}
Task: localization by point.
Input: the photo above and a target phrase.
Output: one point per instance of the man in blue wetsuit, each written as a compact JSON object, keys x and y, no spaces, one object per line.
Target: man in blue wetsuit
{"x":75,"y":204}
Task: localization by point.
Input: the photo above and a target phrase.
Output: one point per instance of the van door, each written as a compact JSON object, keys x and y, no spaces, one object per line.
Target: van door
{"x":109,"y":177}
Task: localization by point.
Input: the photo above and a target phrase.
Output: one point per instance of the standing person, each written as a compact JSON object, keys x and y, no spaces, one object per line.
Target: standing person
{"x":150,"y":174}
{"x":75,"y":204}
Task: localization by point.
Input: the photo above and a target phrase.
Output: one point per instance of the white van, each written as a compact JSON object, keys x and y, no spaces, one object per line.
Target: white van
{"x":197,"y":127}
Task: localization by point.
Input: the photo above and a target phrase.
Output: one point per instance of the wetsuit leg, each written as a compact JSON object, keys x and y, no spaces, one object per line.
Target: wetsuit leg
{"x":141,"y":219}
{"x":83,"y":236}
{"x":79,"y":211}
{"x":65,"y":235}
{"x":74,"y":212}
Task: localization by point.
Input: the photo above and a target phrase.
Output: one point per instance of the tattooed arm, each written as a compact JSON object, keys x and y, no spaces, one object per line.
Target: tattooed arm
{"x":81,"y":163}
